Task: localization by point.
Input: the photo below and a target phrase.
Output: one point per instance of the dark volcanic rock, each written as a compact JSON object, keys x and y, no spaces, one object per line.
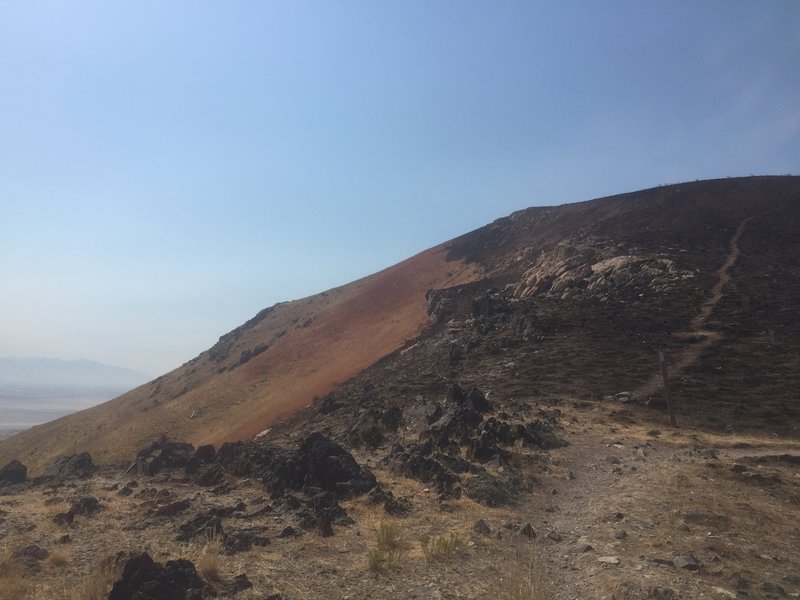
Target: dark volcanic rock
{"x":325,"y":464}
{"x":143,"y":579}
{"x":29,"y":557}
{"x":481,"y":527}
{"x":205,"y":453}
{"x":317,"y":462}
{"x":172,"y":509}
{"x":164,"y":454}
{"x":86,"y":506}
{"x":65,"y":518}
{"x":13,"y":472}
{"x":207,"y":524}
{"x":74,"y":466}
{"x":242,"y":540}
{"x":488,"y":491}
{"x":419,"y":462}
{"x":209,"y":476}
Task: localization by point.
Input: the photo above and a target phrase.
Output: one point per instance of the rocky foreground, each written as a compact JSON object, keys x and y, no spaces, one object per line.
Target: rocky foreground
{"x":447,"y":499}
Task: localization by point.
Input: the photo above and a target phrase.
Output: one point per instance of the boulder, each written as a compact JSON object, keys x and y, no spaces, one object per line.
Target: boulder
{"x":488,"y":491}
{"x":85,"y":506}
{"x":164,"y":454}
{"x":74,"y":466}
{"x":318,"y":462}
{"x":13,"y":472}
{"x":144,"y":579}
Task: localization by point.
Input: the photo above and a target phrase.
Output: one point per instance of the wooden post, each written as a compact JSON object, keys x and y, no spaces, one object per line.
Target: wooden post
{"x":665,"y":377}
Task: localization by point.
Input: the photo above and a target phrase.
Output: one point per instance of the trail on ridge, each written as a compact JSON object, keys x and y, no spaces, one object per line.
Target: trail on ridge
{"x":705,"y":337}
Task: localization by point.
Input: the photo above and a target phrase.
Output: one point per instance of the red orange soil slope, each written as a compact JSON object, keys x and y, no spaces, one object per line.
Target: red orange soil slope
{"x":260,"y":372}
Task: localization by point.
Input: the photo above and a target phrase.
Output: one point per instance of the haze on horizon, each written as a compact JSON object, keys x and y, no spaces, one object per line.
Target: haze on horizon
{"x":167,"y":170}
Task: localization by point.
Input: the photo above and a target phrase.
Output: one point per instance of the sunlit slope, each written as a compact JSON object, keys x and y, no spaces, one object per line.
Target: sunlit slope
{"x":262,"y":371}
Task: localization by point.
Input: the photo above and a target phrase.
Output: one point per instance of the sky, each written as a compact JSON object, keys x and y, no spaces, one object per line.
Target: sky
{"x":168,"y":169}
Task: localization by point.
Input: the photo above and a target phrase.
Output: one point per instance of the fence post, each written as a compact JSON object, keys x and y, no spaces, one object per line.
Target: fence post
{"x":665,"y":377}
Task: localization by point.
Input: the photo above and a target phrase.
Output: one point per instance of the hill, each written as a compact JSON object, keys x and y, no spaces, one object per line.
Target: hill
{"x":482,"y":420}
{"x":594,"y":289}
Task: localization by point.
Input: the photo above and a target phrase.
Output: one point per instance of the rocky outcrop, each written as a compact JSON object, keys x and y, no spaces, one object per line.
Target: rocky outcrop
{"x":74,"y":466}
{"x":164,"y":454}
{"x":13,"y":472}
{"x":144,"y":579}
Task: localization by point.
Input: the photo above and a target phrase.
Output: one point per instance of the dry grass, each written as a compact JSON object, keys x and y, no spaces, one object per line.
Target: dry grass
{"x":57,"y":560}
{"x":208,"y":561}
{"x":98,"y":584}
{"x":524,"y":580}
{"x":390,"y":547}
{"x":443,"y":547}
{"x":12,"y":585}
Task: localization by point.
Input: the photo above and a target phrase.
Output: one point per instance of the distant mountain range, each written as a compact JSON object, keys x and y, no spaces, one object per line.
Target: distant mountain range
{"x":54,"y":372}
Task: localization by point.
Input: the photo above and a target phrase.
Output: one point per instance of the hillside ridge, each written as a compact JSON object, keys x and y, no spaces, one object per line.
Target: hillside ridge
{"x":638,"y":265}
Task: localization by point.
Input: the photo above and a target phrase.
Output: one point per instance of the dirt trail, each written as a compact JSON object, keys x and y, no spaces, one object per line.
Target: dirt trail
{"x":703,"y":338}
{"x":638,"y":495}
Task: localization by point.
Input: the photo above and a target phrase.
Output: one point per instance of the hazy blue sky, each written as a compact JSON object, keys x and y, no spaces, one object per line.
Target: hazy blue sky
{"x":167,"y":169}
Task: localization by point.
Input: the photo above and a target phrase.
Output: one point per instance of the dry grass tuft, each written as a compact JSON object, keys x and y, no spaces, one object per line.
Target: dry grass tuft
{"x":208,"y":562}
{"x":12,"y":585}
{"x":390,"y":547}
{"x":56,"y":559}
{"x":99,"y":582}
{"x":524,"y":580}
{"x":443,"y":547}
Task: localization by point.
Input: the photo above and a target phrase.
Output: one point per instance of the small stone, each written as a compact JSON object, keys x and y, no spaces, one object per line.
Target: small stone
{"x":481,"y":527}
{"x":570,"y":475}
{"x":554,"y":535}
{"x":583,"y":548}
{"x":664,"y":562}
{"x":527,"y":531}
{"x":608,"y":560}
{"x":241,"y":583}
{"x":65,"y":518}
{"x":688,"y":562}
{"x":172,"y":509}
{"x":621,"y":535}
{"x":612,"y":460}
{"x":287,"y":531}
{"x":738,"y":468}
